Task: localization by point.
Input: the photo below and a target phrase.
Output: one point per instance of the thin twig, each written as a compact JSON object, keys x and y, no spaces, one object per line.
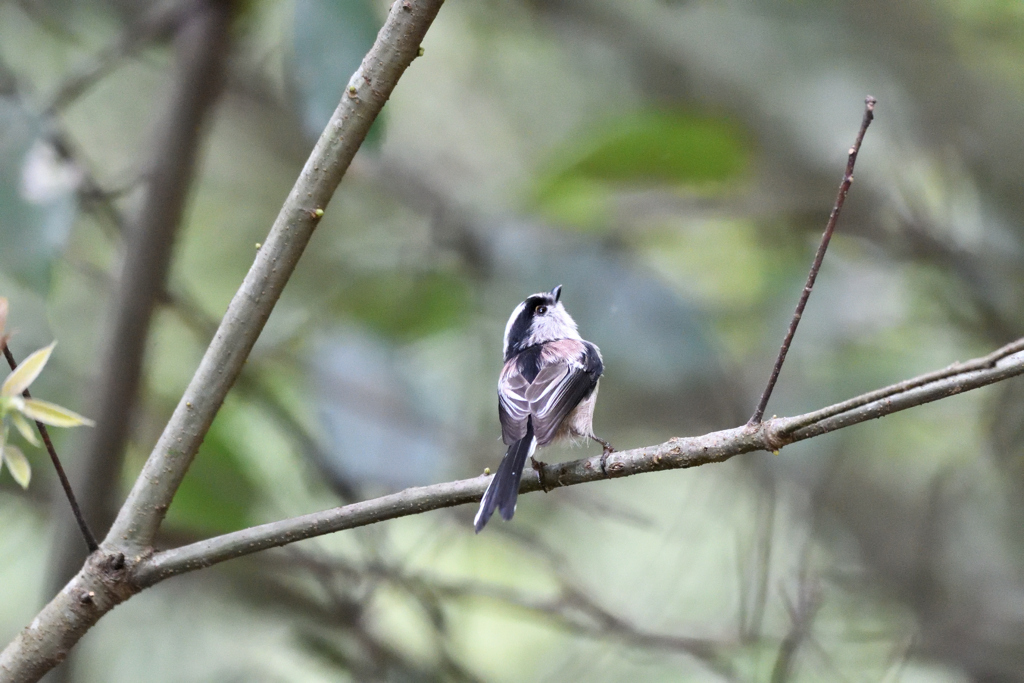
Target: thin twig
{"x":987,"y":361}
{"x":755,"y":580}
{"x":90,"y":540}
{"x":844,"y":187}
{"x":94,"y":198}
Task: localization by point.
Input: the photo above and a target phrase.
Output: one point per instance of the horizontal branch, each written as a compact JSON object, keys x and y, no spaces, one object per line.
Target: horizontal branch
{"x":676,"y":453}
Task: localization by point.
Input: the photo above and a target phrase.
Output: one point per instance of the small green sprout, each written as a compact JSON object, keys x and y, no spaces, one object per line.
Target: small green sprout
{"x":18,"y":410}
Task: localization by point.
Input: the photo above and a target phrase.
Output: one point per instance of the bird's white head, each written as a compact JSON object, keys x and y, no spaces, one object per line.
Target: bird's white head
{"x":540,"y":318}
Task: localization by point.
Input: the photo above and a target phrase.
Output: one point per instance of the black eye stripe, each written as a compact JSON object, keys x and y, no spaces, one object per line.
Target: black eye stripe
{"x":519,"y":329}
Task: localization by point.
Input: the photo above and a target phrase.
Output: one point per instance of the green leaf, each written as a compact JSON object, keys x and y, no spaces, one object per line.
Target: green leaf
{"x":641,"y":149}
{"x":664,"y":147}
{"x":22,"y":378}
{"x":26,"y":429}
{"x":53,"y":414}
{"x":578,"y":201}
{"x":17,"y":463}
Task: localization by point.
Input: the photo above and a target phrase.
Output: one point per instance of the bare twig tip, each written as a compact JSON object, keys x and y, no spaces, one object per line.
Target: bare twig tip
{"x":844,"y":187}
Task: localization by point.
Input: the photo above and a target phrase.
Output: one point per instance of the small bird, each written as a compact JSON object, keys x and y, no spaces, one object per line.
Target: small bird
{"x":546,"y":391}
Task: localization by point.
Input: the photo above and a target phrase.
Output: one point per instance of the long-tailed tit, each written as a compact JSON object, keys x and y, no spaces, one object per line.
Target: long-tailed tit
{"x":546,"y":392}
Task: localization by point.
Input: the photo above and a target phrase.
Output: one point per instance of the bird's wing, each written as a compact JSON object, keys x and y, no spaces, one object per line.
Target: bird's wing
{"x":547,"y":385}
{"x":554,"y":393}
{"x":513,"y":406}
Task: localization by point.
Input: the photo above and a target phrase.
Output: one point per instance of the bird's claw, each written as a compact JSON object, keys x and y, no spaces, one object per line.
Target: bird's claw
{"x":539,"y":467}
{"x":608,"y":450}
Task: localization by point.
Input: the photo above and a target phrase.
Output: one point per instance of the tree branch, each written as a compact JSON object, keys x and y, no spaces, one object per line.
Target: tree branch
{"x":983,"y":363}
{"x":677,"y":453}
{"x":844,"y":188}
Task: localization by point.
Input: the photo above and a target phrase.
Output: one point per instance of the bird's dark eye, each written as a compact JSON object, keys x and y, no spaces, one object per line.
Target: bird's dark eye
{"x":541,"y":310}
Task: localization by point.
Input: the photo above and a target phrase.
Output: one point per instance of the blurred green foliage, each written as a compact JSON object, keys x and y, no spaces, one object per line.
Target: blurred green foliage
{"x":405,"y":306}
{"x":641,"y":149}
{"x":218,"y":493}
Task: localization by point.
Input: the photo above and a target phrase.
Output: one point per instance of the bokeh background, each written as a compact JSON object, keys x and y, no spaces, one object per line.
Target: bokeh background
{"x":672,"y":164}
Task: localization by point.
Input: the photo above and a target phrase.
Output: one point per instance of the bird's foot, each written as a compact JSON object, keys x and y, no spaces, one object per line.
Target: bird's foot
{"x":539,"y":466}
{"x":608,"y":450}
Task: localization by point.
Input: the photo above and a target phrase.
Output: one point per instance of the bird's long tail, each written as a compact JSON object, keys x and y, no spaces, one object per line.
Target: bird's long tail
{"x":503,"y":490}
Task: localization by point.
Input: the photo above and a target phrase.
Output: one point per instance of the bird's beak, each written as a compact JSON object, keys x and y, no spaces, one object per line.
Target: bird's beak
{"x":557,"y":293}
